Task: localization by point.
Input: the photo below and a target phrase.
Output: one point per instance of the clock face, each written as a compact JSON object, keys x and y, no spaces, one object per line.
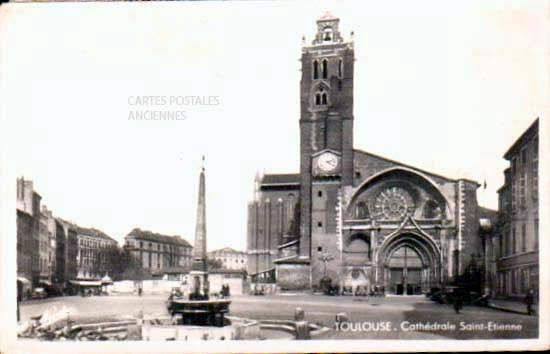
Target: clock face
{"x":393,"y":203}
{"x":327,"y":162}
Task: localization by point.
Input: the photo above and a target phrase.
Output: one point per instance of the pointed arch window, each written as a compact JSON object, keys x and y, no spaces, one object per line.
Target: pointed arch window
{"x":321,"y":97}
{"x":317,"y":99}
{"x":325,"y":68}
{"x":315,"y":70}
{"x":361,"y":211}
{"x":432,"y":210}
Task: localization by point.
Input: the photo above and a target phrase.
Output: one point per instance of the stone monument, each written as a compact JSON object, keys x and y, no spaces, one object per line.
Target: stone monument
{"x":199,"y":271}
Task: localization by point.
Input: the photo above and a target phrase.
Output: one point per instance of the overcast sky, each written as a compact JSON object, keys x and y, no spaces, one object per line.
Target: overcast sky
{"x":444,"y":86}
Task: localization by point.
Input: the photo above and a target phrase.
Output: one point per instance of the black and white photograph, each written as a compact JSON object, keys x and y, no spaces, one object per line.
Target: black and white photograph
{"x":274,"y":176}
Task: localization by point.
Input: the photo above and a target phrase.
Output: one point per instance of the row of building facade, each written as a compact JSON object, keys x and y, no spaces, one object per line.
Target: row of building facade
{"x":51,"y":250}
{"x":512,"y":250}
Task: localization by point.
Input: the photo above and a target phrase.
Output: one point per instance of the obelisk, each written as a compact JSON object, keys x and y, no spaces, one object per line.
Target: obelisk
{"x":199,"y":270}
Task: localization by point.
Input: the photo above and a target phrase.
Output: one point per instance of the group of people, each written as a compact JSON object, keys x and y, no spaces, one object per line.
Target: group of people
{"x":360,"y":290}
{"x":224,"y":292}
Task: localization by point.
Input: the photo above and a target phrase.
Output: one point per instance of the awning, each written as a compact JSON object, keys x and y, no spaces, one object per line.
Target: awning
{"x":85,"y":282}
{"x":24,"y":280}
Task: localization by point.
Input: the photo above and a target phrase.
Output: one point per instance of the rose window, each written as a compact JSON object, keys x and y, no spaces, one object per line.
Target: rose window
{"x":393,"y":203}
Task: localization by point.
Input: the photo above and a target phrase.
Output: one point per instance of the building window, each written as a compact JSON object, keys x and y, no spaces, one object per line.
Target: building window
{"x":325,"y":68}
{"x":140,"y":244}
{"x":432,"y":210}
{"x":523,"y":232}
{"x":522,"y":173}
{"x":319,"y":249}
{"x":319,"y":224}
{"x":315,"y":69}
{"x":513,"y":240}
{"x":321,"y":97}
{"x":535,"y":170}
{"x":340,"y":67}
{"x":507,"y":242}
{"x":320,"y":194}
{"x":513,"y":184}
{"x":361,"y":211}
{"x":536,"y":234}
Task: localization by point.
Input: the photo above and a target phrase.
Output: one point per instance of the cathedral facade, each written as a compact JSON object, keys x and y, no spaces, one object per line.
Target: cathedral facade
{"x":352,"y":216}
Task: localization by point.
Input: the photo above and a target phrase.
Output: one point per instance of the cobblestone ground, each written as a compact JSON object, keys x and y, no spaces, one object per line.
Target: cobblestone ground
{"x":380,"y":318}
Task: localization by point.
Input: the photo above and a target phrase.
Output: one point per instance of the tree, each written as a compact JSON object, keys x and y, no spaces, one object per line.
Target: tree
{"x":121,"y":264}
{"x":214,"y":264}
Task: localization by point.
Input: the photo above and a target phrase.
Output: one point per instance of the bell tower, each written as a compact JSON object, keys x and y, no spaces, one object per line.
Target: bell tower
{"x":326,"y":120}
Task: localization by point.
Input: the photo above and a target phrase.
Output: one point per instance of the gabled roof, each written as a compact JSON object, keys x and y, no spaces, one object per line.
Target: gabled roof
{"x":153,"y":236}
{"x":413,"y":168}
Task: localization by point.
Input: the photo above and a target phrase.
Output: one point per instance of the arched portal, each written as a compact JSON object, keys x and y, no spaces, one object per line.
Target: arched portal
{"x":408,"y":264}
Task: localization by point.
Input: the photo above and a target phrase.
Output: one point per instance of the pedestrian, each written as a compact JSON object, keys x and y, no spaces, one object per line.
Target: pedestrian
{"x":19,"y":298}
{"x":530,"y":301}
{"x":457,"y":300}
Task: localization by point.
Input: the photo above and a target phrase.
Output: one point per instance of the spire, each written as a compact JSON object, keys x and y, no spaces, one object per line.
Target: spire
{"x":199,"y":251}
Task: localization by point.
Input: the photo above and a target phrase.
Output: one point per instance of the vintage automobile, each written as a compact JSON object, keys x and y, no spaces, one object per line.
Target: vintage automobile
{"x":39,"y":293}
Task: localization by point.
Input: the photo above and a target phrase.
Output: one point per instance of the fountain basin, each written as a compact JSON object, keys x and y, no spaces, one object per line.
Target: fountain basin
{"x":200,"y":312}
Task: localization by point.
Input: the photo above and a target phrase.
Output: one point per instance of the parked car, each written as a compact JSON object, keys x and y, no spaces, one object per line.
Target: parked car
{"x":39,"y":293}
{"x":432,"y":291}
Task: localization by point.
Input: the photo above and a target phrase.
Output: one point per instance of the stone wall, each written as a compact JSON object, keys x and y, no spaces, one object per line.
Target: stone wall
{"x":293,"y":276}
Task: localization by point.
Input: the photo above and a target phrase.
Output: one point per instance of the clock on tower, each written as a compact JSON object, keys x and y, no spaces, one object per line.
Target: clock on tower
{"x":326,"y":163}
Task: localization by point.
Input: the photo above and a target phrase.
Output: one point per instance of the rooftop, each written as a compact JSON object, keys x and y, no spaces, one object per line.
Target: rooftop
{"x":153,"y":236}
{"x":287,"y":178}
{"x":527,"y":135}
{"x":93,"y":232}
{"x":328,"y":17}
{"x":226,"y":250}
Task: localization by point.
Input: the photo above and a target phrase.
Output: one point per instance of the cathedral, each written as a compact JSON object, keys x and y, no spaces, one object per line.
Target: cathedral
{"x":352,"y":216}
